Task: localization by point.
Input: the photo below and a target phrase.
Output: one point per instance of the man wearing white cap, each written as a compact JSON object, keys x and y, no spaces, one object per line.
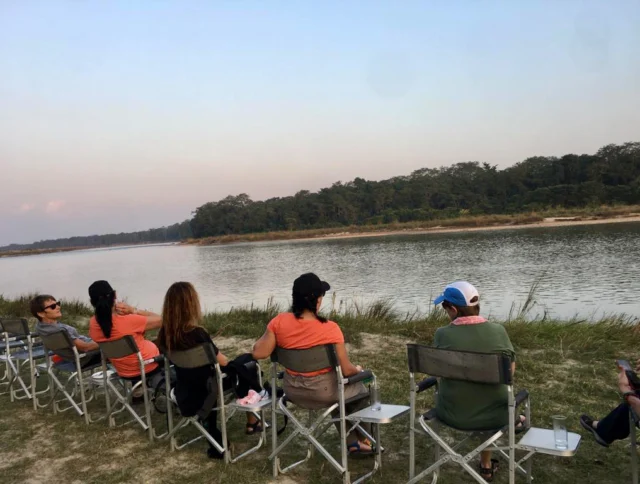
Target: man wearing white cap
{"x":465,"y":405}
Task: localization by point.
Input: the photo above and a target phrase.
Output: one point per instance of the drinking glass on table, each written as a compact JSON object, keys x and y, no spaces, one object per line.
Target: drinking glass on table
{"x":560,"y":434}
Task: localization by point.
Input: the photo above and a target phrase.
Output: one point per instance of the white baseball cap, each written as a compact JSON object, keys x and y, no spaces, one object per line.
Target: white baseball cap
{"x":459,"y":293}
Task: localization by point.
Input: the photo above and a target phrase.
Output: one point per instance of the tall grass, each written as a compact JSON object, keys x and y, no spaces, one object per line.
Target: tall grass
{"x":609,"y":334}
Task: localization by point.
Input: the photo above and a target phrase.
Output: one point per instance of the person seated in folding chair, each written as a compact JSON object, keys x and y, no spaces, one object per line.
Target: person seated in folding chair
{"x":113,"y":321}
{"x":615,"y":425}
{"x":48,"y":312}
{"x":180,"y":331}
{"x":466,"y":405}
{"x":303,"y":328}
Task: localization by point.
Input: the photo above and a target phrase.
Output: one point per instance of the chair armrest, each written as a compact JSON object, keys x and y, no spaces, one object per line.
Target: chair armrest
{"x":521,"y":397}
{"x":358,"y":377}
{"x":426,"y":384}
{"x":155,"y":359}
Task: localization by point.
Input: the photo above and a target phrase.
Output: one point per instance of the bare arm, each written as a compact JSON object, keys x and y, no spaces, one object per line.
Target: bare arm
{"x":154,"y":321}
{"x":265,"y":345}
{"x":84,"y":346}
{"x":513,"y":368}
{"x":222,"y":359}
{"x":348,"y":368}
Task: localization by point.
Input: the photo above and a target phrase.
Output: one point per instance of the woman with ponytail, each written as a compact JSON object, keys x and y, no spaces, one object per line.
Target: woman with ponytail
{"x":113,"y":321}
{"x":303,"y":328}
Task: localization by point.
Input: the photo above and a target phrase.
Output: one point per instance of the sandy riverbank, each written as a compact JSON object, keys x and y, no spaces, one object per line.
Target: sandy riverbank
{"x":546,"y":223}
{"x":473,"y":225}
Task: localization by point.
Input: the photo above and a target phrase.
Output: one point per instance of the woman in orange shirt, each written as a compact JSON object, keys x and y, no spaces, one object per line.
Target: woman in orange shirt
{"x":113,"y":321}
{"x":303,"y":328}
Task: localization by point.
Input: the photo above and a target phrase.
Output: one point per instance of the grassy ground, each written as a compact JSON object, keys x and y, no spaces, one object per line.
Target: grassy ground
{"x":568,"y":366}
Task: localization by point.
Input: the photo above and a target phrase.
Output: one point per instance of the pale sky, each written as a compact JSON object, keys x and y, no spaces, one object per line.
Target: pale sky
{"x":119,"y":116}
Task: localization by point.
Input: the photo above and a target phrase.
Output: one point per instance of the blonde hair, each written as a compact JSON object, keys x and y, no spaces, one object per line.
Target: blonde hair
{"x":180,"y":314}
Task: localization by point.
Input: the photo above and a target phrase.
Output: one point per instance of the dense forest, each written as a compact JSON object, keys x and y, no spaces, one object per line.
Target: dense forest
{"x":610,"y":176}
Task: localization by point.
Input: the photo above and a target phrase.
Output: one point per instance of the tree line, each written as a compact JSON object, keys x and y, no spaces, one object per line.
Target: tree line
{"x":610,"y":176}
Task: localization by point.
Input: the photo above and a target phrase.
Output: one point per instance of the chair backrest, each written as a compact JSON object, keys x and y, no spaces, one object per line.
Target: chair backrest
{"x":307,"y":360}
{"x":15,"y":327}
{"x":196,"y":357}
{"x":119,"y":348}
{"x":460,"y":365}
{"x":60,"y":343}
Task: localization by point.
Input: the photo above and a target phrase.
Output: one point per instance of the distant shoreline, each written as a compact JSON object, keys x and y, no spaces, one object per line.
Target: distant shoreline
{"x":368,"y":231}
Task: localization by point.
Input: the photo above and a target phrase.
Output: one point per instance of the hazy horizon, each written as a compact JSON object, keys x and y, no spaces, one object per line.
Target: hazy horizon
{"x":119,"y":117}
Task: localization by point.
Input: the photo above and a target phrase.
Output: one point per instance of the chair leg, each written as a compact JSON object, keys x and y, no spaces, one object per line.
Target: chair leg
{"x":633,"y":449}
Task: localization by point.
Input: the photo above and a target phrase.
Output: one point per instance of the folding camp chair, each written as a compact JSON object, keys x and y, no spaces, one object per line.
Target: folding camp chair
{"x":20,"y":350}
{"x":61,"y":344}
{"x":5,"y":348}
{"x":123,"y":387}
{"x":477,"y":368}
{"x":314,"y":359}
{"x":204,"y":355}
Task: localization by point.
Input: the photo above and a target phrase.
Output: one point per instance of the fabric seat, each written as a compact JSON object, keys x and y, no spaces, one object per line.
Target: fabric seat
{"x":201,"y":356}
{"x":61,"y":344}
{"x":17,"y":360}
{"x":493,"y":369}
{"x":123,"y":388}
{"x":311,"y":360}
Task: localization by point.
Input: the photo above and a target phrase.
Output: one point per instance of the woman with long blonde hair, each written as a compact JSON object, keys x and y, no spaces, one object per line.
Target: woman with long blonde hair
{"x":180,"y":331}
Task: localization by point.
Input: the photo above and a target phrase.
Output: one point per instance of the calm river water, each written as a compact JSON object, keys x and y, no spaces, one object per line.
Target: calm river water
{"x":582,"y":270}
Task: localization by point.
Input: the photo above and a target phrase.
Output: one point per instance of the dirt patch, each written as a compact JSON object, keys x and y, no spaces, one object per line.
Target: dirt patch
{"x":228,"y":343}
{"x":370,"y":343}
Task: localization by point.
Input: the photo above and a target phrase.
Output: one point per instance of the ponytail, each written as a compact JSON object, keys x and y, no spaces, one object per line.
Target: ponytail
{"x":300,"y":302}
{"x":103,"y":312}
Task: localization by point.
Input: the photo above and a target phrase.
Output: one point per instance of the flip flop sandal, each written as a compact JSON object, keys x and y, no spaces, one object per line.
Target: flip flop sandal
{"x":587,"y":423}
{"x":254,"y":428}
{"x":521,"y":426}
{"x":488,"y":473}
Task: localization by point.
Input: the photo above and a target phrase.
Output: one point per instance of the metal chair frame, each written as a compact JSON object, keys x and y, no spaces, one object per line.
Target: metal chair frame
{"x":60,"y":343}
{"x":502,"y":367}
{"x":20,"y":349}
{"x":633,"y":421}
{"x":318,"y":358}
{"x":120,"y":348}
{"x":204,"y":355}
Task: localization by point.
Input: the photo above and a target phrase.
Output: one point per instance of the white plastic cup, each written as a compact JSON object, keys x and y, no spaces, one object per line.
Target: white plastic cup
{"x":560,"y":434}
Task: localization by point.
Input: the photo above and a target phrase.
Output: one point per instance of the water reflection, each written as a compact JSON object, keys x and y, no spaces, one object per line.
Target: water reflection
{"x":582,"y":270}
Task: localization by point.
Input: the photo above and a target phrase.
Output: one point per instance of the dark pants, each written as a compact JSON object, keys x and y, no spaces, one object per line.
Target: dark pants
{"x":92,"y":358}
{"x":241,"y":381}
{"x":615,"y":426}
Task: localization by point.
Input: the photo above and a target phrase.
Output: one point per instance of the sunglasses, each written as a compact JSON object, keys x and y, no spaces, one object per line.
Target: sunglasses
{"x":53,"y":306}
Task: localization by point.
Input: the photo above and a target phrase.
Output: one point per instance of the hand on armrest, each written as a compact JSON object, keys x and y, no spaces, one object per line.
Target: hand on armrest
{"x":426,"y":384}
{"x":360,"y":376}
{"x":521,"y":397}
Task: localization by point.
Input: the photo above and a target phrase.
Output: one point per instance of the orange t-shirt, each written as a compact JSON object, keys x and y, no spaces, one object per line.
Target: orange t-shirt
{"x":134,"y":325}
{"x":300,"y":334}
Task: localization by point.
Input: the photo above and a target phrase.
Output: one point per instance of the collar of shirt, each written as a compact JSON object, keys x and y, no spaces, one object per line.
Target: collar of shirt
{"x":466,"y":320}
